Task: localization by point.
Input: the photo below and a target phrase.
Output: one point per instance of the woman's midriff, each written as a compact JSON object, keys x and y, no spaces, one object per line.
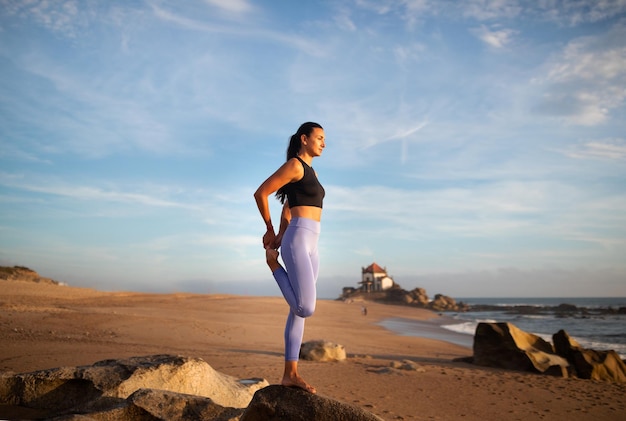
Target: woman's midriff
{"x":310,"y":212}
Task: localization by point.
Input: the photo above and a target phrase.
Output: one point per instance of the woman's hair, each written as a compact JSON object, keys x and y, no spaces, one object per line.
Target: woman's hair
{"x":295,"y":143}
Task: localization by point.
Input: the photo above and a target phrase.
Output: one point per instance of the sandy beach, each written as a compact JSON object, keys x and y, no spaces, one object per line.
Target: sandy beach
{"x":44,"y":326}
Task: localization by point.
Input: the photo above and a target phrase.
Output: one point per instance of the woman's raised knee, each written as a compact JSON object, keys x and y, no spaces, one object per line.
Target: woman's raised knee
{"x":306,"y":310}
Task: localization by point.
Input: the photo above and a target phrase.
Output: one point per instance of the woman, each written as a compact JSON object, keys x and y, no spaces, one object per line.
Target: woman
{"x":297,"y":187}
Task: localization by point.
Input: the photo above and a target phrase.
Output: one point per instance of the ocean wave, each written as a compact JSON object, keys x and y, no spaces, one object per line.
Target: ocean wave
{"x":535,"y":316}
{"x":467,"y":327}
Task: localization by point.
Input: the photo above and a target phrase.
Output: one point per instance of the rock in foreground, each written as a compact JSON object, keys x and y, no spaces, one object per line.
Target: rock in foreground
{"x":110,"y":384}
{"x":160,"y":387}
{"x":280,"y":403}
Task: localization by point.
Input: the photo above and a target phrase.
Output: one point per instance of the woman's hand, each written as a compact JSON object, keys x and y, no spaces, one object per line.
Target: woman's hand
{"x":269,"y":238}
{"x":277,"y":240}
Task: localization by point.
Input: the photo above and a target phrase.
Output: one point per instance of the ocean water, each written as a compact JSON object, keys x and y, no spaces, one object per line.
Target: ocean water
{"x":594,"y":329}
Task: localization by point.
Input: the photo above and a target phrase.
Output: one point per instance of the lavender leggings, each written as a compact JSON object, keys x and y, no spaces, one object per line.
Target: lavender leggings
{"x":297,"y":282}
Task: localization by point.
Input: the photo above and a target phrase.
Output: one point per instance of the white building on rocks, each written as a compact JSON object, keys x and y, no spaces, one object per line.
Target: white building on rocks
{"x":375,"y":279}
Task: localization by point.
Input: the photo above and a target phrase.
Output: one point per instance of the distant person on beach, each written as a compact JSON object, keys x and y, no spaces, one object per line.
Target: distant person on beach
{"x":297,"y":187}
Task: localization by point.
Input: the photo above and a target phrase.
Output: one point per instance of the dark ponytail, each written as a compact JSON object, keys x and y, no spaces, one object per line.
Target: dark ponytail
{"x":295,"y":143}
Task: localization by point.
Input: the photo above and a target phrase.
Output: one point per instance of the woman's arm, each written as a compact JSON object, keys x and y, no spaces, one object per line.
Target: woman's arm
{"x":290,"y":171}
{"x":285,"y":218}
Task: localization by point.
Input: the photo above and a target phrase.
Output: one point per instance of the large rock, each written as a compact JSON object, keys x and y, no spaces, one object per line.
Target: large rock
{"x":503,"y":345}
{"x":320,"y":350}
{"x":589,"y":363}
{"x":158,"y":405}
{"x":419,"y":296}
{"x":564,"y":345}
{"x":109,"y":383}
{"x":280,"y":403}
{"x":165,"y":405}
{"x":443,"y":303}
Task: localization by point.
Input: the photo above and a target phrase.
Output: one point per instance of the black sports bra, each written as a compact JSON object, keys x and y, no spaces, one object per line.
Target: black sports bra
{"x":307,"y":191}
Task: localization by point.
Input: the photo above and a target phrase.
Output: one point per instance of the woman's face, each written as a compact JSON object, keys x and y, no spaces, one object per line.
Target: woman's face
{"x":315,"y":142}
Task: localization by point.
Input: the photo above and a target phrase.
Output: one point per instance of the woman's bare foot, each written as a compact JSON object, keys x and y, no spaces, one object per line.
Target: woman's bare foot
{"x":271,"y":256}
{"x":291,"y":378}
{"x":298,"y":381}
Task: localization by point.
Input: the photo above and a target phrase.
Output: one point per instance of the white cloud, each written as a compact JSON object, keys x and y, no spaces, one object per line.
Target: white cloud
{"x":561,"y":11}
{"x":344,"y":21}
{"x":87,"y":193}
{"x":20,"y":153}
{"x":582,"y":11}
{"x":509,"y":210}
{"x":379,"y":7}
{"x":249,"y":30}
{"x":414,"y":11}
{"x":63,"y":17}
{"x":412,"y":51}
{"x":612,"y":149}
{"x":490,"y":9}
{"x":504,"y":281}
{"x":398,"y":134}
{"x":496,"y":38}
{"x":232,"y":6}
{"x":474,"y":207}
{"x":586,"y":60}
{"x":98,"y":113}
{"x":585,"y":82}
{"x":566,"y":12}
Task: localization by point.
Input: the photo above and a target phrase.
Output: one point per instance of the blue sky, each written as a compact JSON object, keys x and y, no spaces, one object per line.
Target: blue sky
{"x":474,"y":148}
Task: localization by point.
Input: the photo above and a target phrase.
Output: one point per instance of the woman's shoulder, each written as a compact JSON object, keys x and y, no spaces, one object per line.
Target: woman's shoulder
{"x":294,"y":168}
{"x":298,"y":163}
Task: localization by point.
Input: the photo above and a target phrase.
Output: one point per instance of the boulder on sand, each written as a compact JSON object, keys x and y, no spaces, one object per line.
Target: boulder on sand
{"x":589,"y":363}
{"x":85,"y":388}
{"x":320,"y":350}
{"x":280,"y":403}
{"x":503,"y":345}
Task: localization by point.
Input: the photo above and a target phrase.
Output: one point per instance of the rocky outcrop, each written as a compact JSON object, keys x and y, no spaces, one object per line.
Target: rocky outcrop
{"x":417,"y":297}
{"x":111,"y":385}
{"x":503,"y":345}
{"x":21,"y":273}
{"x":320,"y":350}
{"x":589,"y":363}
{"x":280,"y":403}
{"x":444,"y":303}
